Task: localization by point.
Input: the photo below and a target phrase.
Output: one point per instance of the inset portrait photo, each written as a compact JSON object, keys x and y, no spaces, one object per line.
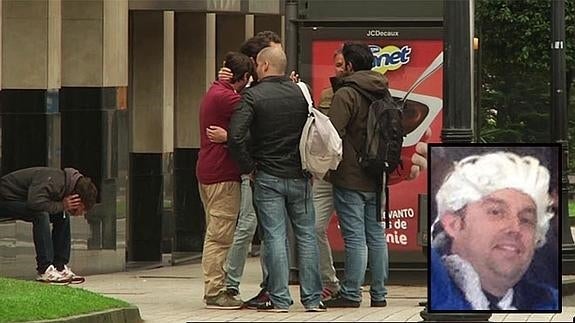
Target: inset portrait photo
{"x":495,"y":231}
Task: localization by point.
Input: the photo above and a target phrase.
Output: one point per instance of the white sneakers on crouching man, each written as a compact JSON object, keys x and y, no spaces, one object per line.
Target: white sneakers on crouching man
{"x":68,"y":274}
{"x":63,"y":277}
{"x":52,"y":276}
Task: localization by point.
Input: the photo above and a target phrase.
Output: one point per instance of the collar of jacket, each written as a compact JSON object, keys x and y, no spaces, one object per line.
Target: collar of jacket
{"x":274,"y":78}
{"x":336,"y":82}
{"x":527,"y":294}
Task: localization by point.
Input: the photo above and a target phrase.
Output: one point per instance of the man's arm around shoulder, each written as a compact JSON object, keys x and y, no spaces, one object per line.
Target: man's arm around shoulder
{"x":240,"y":124}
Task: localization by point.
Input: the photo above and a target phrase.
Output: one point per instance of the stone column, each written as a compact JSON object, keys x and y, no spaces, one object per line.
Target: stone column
{"x":92,"y":104}
{"x":195,"y":71}
{"x":30,"y":84}
{"x":151,"y":111}
{"x":249,"y":26}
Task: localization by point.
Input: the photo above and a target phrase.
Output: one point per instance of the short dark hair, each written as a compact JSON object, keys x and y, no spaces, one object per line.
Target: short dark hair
{"x":359,"y":55}
{"x":239,"y":64}
{"x":253,"y":46}
{"x":87,"y":191}
{"x":269,"y":36}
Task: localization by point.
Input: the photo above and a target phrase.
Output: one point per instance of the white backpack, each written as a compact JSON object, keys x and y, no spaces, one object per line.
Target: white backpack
{"x":320,"y":146}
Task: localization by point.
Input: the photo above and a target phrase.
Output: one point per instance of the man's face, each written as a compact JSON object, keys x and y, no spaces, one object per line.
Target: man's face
{"x":339,"y":64}
{"x":497,"y":236}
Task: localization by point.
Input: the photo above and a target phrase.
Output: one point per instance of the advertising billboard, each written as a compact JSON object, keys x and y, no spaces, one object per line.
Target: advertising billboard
{"x":411,"y":59}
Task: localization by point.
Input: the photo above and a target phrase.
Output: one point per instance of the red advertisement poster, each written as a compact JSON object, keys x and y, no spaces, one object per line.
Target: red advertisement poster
{"x":413,"y":68}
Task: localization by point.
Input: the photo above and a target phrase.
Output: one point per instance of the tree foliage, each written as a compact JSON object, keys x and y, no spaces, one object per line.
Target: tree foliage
{"x":515,"y":37}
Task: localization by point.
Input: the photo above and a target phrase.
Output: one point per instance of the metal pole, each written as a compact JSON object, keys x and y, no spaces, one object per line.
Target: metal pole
{"x":457,"y":72}
{"x":457,"y":101}
{"x":559,"y":107}
{"x":477,"y":112}
{"x":291,"y":34}
{"x":291,"y":44}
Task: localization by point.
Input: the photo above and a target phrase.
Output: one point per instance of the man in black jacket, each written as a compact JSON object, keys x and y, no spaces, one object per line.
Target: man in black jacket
{"x":44,"y":195}
{"x":274,"y":112}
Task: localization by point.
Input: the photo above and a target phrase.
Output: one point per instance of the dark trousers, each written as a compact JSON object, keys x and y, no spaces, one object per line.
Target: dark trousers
{"x":52,"y":248}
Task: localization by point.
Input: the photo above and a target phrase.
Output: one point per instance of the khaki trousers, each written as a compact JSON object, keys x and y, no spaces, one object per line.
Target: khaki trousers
{"x":221,"y":205}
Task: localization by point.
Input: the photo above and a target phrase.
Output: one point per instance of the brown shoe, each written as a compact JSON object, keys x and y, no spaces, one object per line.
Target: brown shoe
{"x":223,"y":301}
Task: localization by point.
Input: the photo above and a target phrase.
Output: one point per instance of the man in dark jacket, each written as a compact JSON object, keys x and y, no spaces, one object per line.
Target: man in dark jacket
{"x":354,"y":191}
{"x":44,"y":195}
{"x":274,"y":112}
{"x":247,"y":220}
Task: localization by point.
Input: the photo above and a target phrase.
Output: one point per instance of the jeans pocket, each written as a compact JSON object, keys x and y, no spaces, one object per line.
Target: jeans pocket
{"x":266,"y":181}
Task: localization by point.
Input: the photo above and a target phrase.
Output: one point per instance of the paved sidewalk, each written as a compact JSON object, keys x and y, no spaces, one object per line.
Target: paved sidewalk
{"x":174,"y":294}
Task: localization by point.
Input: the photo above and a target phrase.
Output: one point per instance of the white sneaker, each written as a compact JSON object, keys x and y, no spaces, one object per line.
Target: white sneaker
{"x":68,"y":274}
{"x":52,"y":276}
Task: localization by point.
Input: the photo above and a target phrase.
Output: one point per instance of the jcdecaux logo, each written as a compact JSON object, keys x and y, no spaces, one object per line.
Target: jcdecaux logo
{"x":389,"y":58}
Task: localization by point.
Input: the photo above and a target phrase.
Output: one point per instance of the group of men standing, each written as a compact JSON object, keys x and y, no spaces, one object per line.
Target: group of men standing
{"x":250,"y":138}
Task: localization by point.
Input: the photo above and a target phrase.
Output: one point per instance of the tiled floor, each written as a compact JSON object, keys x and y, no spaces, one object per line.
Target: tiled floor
{"x":174,"y":294}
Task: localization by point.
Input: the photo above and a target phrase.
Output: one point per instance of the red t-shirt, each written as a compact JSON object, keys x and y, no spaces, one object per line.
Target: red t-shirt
{"x":215,"y":164}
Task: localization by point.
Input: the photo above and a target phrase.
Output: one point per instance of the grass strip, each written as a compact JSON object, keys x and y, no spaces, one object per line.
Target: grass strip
{"x":22,"y":301}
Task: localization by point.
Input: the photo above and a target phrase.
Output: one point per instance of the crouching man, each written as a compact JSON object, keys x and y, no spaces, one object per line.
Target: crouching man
{"x":44,"y":195}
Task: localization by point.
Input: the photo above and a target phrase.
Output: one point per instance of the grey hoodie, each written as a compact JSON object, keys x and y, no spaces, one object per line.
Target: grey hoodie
{"x":42,"y":188}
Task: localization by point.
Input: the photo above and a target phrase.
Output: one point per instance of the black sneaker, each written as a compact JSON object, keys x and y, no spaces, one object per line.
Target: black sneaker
{"x":378,"y":303}
{"x":318,"y":308}
{"x":340,"y":301}
{"x":253,"y":303}
{"x":270,"y":307}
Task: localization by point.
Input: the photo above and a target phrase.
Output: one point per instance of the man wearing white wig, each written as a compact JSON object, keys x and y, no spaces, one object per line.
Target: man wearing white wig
{"x":493,"y":213}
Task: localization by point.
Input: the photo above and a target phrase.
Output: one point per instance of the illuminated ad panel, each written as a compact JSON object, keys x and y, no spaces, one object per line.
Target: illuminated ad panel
{"x":412,"y":61}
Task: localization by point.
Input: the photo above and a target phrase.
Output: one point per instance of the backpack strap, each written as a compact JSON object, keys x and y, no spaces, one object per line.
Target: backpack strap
{"x":387,"y":217}
{"x":305,"y":91}
{"x":307,"y":96}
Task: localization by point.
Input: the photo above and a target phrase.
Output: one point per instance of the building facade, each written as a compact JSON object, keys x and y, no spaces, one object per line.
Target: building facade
{"x":112,"y":88}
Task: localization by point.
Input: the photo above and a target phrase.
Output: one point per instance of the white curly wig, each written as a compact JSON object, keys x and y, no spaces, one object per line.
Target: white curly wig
{"x":480,"y":175}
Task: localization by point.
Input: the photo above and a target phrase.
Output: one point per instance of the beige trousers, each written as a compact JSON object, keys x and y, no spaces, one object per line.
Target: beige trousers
{"x":221,"y":204}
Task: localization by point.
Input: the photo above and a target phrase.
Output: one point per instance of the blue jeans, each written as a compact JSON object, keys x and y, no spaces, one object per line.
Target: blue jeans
{"x":245,"y":229}
{"x":323,"y":203}
{"x":364,"y":238}
{"x":51,"y":248}
{"x":276,"y":200}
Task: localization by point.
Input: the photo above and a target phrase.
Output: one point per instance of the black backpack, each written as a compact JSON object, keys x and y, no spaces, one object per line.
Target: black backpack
{"x":381,"y":152}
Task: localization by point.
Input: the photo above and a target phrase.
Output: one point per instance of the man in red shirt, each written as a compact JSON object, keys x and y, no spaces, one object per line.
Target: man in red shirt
{"x":219,"y":181}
